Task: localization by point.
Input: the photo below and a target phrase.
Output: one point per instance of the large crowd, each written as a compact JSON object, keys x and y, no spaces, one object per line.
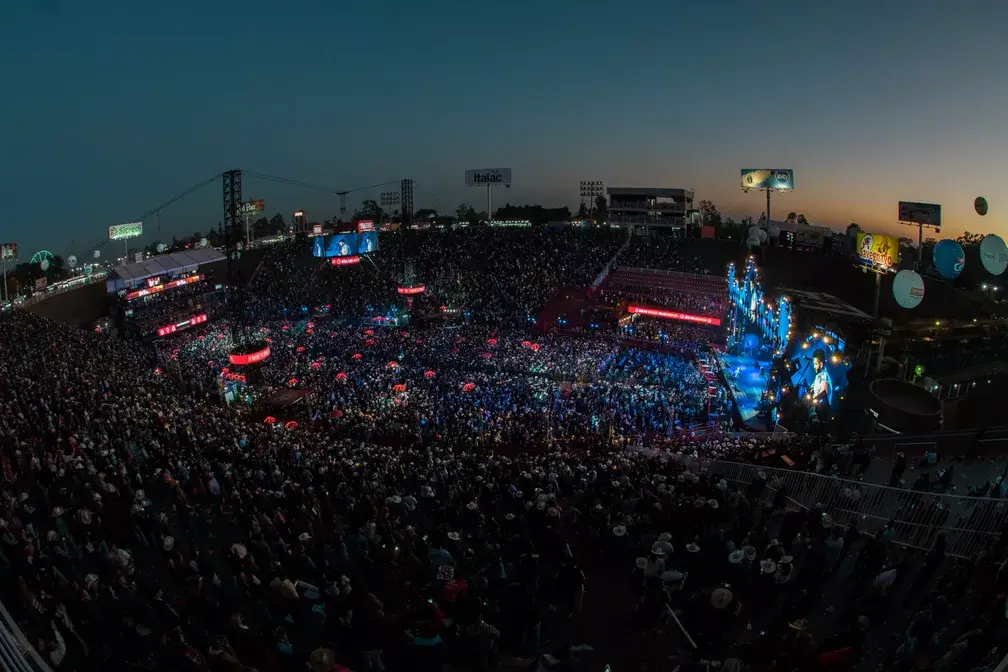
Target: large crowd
{"x":467,"y":494}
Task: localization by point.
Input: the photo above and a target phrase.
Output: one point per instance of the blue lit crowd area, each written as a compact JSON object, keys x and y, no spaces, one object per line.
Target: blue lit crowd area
{"x":516,"y":447}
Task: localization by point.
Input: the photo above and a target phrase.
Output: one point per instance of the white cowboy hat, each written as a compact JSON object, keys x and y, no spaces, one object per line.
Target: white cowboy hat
{"x":671,"y":576}
{"x":664,"y":536}
{"x":713,"y":503}
{"x":472,"y":506}
{"x":827,"y":521}
{"x":509,"y":516}
{"x":168,"y":543}
{"x":57,"y":511}
{"x":541,"y":505}
{"x":768,"y":566}
{"x":519,"y":494}
{"x":304,"y":536}
{"x":736,"y":557}
{"x":454,"y":536}
{"x":619,"y":530}
{"x":692,"y":547}
{"x":750,"y":552}
{"x":699,"y":503}
{"x":396,"y":499}
{"x":660,"y":549}
{"x":785,"y":560}
{"x":553,"y":511}
{"x":800,"y":624}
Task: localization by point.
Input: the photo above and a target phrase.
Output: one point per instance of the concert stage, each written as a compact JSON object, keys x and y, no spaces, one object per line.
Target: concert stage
{"x":748,"y":384}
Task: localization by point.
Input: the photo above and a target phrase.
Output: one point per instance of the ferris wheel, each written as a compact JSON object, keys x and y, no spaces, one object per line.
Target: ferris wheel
{"x":40,"y":256}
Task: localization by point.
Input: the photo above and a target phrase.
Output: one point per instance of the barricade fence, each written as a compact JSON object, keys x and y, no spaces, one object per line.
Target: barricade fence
{"x":915,"y":519}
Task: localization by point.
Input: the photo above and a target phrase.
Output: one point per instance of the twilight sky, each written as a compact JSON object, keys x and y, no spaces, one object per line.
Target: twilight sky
{"x":112,"y":107}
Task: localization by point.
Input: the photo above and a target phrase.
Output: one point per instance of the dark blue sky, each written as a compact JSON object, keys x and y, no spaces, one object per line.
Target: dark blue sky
{"x":112,"y":107}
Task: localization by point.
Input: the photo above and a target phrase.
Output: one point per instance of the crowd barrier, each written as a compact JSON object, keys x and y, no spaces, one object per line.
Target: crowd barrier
{"x":992,"y":441}
{"x":914,"y":518}
{"x":16,"y":653}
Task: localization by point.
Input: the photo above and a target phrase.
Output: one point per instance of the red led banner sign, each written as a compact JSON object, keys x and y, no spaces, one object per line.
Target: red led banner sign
{"x":169,"y":329}
{"x":250,"y":358}
{"x":673,"y":315}
{"x":365,"y":225}
{"x":409,"y":291}
{"x":345,"y":261}
{"x":155,"y":287}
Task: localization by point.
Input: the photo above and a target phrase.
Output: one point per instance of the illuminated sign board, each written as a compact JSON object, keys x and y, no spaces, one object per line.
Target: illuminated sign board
{"x":251,"y":208}
{"x":170,"y":329}
{"x":484,"y":177}
{"x":156,"y":288}
{"x":409,"y":291}
{"x":878,"y":251}
{"x":774,"y":179}
{"x":673,"y":315}
{"x":124,"y":231}
{"x":9,"y":251}
{"x":365,"y":225}
{"x":345,"y":261}
{"x":316,"y":229}
{"x":244,"y":359}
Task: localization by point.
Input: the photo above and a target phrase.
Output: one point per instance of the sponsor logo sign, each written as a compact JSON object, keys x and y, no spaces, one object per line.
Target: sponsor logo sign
{"x":877,"y":250}
{"x":251,"y":207}
{"x":9,"y":251}
{"x":777,"y":179}
{"x":365,"y":225}
{"x":488,"y":177}
{"x":928,"y":214}
{"x":344,"y":261}
{"x":124,"y":231}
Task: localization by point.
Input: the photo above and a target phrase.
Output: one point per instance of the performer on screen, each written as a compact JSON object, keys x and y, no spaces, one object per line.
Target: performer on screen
{"x":319,"y":247}
{"x":822,"y":385}
{"x":344,"y":249}
{"x":368,"y":244}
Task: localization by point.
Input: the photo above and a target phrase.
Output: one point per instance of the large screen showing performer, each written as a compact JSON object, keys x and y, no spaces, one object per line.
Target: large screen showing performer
{"x":367,"y":242}
{"x":339,"y":245}
{"x":819,"y":370}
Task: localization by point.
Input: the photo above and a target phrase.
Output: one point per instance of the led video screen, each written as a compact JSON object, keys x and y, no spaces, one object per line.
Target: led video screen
{"x":367,"y":242}
{"x":339,"y":245}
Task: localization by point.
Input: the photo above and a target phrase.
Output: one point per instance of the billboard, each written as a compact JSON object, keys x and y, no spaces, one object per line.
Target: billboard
{"x":345,"y":261}
{"x":9,"y":251}
{"x":808,"y":237}
{"x":878,"y":251}
{"x":367,"y":242}
{"x":365,"y":225}
{"x":316,"y":229}
{"x":484,"y":177}
{"x":124,"y":231}
{"x":674,"y":315}
{"x":339,"y":245}
{"x":927,"y":214}
{"x":776,"y":179}
{"x":252,"y":207}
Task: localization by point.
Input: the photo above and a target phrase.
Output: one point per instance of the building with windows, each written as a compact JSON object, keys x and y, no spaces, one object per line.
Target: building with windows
{"x":647,"y":206}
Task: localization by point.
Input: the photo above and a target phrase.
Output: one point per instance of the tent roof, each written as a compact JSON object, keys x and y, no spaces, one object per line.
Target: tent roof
{"x":166,"y":264}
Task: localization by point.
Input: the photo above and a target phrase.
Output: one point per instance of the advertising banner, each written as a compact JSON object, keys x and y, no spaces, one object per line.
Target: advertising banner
{"x":367,"y":242}
{"x":9,"y":251}
{"x":410,"y":291}
{"x":928,"y":214}
{"x":674,"y":315}
{"x":316,"y":229}
{"x":488,"y":176}
{"x":777,"y":179}
{"x":252,"y":208}
{"x":345,"y":261}
{"x":805,"y":237}
{"x":878,"y":251}
{"x":365,"y":225}
{"x":124,"y":231}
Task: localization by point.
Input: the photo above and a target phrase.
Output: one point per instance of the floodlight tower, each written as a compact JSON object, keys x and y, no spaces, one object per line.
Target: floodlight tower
{"x":389,"y":199}
{"x":591,"y":189}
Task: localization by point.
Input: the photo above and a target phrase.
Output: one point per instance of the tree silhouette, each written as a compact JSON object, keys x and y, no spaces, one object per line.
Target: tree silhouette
{"x":801,"y":221}
{"x":853,"y":229}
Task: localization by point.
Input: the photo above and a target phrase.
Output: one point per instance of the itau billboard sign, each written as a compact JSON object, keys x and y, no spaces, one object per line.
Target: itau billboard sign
{"x":492,"y":177}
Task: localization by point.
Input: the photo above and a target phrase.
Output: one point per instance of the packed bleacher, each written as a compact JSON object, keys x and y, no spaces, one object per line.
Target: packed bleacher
{"x":470,"y":496}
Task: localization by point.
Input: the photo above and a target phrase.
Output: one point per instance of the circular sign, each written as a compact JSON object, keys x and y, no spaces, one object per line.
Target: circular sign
{"x":782,"y":176}
{"x":980,"y":205}
{"x":908,"y":289}
{"x":203,"y":242}
{"x":44,"y":264}
{"x":949,"y":258}
{"x":97,"y":253}
{"x":993,"y":254}
{"x":72,"y":260}
{"x":161,"y":248}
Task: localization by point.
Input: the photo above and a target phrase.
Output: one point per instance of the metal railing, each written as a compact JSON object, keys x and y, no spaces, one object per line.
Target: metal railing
{"x":914,"y":519}
{"x":16,"y":653}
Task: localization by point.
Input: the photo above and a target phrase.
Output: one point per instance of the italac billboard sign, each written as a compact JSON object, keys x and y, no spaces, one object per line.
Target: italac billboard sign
{"x":488,"y":177}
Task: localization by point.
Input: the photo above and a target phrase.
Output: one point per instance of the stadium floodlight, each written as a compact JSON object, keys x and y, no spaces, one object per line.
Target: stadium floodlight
{"x":591,"y":189}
